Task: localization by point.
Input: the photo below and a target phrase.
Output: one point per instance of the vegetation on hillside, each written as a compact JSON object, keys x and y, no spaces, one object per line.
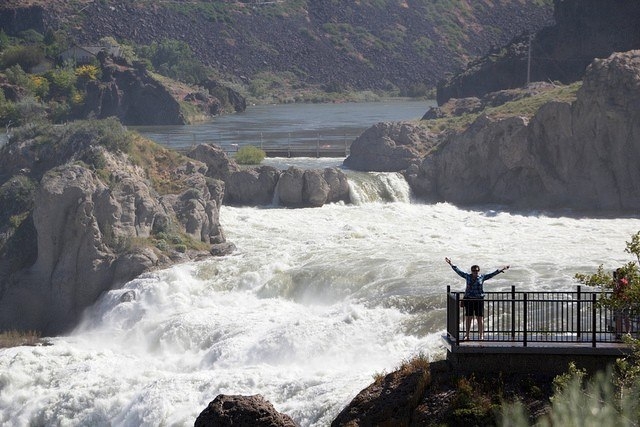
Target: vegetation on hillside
{"x":525,"y":106}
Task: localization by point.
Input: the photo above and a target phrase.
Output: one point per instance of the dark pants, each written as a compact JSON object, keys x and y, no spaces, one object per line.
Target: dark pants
{"x":473,"y":307}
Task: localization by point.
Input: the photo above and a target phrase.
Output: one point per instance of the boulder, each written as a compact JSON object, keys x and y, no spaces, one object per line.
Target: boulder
{"x":388,"y":147}
{"x":254,"y":411}
{"x":338,"y":185}
{"x":290,"y":187}
{"x":219,"y":165}
{"x":255,"y":186}
{"x":315,"y":190}
{"x":312,"y":187}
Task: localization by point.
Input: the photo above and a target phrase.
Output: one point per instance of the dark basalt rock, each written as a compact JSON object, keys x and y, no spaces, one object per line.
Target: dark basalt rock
{"x":246,"y":411}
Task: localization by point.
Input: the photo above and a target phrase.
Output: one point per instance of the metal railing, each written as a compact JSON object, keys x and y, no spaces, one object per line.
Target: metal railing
{"x":532,"y":317}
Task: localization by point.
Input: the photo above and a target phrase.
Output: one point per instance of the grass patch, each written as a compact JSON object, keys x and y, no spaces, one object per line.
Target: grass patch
{"x":159,"y":163}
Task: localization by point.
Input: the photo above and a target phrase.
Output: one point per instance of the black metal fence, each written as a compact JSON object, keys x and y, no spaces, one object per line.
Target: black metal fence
{"x":551,"y":317}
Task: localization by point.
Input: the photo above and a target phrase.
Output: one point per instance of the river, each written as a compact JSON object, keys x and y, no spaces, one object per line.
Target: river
{"x":311,"y":306}
{"x":282,"y":125}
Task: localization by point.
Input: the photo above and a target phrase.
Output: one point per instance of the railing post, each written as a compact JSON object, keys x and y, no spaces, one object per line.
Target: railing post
{"x":513,"y":312}
{"x":578,"y":321}
{"x":593,"y":319}
{"x":457,"y":310}
{"x":524,"y":316}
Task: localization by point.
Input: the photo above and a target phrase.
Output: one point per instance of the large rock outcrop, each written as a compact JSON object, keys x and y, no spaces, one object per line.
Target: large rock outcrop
{"x":388,"y":147}
{"x":88,"y":218}
{"x":266,"y":185}
{"x":580,"y":155}
{"x":135,"y":97}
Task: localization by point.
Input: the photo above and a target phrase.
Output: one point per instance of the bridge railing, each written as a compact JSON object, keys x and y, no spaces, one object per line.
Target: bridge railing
{"x":529,"y":317}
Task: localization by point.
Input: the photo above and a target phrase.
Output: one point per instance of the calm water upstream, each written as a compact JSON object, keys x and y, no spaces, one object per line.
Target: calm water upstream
{"x":312,"y":305}
{"x":281,"y":125}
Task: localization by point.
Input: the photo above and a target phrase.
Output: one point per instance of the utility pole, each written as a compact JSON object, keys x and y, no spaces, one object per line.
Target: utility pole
{"x":529,"y":60}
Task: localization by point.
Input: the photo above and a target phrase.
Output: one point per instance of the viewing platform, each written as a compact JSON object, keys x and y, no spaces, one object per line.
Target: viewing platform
{"x":536,"y":332}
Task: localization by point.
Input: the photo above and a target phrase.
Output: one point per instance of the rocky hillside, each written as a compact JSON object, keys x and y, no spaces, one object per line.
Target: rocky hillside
{"x":365,"y":45}
{"x":584,"y":29}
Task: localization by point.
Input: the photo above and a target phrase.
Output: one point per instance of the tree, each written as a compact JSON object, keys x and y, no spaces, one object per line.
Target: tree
{"x":605,"y":280}
{"x":628,"y":371}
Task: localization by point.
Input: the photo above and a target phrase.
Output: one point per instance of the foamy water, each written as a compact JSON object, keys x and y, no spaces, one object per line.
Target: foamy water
{"x":310,"y":307}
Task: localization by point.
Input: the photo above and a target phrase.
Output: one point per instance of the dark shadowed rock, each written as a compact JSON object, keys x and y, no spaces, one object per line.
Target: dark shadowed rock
{"x":390,"y":401}
{"x":583,"y":30}
{"x":242,"y":411}
{"x":132,"y":95}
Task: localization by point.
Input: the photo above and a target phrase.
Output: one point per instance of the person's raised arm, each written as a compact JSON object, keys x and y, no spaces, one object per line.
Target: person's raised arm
{"x":458,"y":271}
{"x":498,"y":271}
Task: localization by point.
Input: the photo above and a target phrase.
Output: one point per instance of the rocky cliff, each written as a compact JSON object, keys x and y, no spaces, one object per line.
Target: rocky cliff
{"x":87,"y":206}
{"x":365,"y":45}
{"x":581,"y":155}
{"x":583,"y":30}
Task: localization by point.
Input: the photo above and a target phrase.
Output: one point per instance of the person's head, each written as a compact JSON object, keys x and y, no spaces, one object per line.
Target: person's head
{"x":475,"y":270}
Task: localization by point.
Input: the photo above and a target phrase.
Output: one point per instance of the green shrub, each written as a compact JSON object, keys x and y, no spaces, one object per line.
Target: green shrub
{"x":25,"y":56}
{"x":250,"y":155}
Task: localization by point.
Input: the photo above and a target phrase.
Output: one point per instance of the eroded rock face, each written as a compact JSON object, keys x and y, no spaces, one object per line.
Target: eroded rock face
{"x":254,"y":186}
{"x":266,"y":185}
{"x":96,"y":222}
{"x":388,"y":147}
{"x":311,"y":188}
{"x":255,"y":411}
{"x":582,"y":155}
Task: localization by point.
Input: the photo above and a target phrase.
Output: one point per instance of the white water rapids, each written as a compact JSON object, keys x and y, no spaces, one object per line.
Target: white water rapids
{"x":310,"y":307}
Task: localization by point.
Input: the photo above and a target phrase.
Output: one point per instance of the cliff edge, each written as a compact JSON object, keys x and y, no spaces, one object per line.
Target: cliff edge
{"x":580,"y":155}
{"x":87,"y":206}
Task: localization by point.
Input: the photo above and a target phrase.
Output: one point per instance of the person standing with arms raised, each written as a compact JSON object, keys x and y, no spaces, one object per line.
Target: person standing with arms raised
{"x":473,"y":301}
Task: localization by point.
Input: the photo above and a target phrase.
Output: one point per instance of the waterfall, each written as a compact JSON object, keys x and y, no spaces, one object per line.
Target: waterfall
{"x":370,"y":187}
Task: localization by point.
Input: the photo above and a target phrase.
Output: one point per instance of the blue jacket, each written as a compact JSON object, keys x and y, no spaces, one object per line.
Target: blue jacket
{"x":474,"y":288}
